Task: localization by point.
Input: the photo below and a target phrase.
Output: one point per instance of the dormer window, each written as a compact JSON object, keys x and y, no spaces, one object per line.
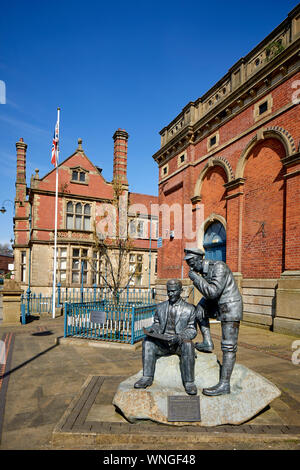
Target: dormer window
{"x":78,"y":175}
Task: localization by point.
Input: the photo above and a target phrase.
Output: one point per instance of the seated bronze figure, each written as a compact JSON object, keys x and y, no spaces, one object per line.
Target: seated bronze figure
{"x":175,"y":320}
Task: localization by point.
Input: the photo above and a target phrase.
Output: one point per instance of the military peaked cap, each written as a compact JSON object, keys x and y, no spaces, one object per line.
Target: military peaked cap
{"x":191,"y":252}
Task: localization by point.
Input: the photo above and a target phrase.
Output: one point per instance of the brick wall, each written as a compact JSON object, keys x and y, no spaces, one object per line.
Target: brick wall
{"x":251,"y":181}
{"x":263,"y":215}
{"x":266,"y":194}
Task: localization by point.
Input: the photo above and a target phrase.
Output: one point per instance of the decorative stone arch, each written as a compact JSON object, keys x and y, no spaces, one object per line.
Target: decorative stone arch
{"x":213,"y":217}
{"x":213,"y":161}
{"x":270,"y":132}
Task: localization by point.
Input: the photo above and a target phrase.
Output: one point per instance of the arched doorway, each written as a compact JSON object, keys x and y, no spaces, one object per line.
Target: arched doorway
{"x":214,"y":242}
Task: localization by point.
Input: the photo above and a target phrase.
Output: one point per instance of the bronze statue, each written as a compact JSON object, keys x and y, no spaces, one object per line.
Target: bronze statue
{"x":221,"y":300}
{"x":171,"y":333}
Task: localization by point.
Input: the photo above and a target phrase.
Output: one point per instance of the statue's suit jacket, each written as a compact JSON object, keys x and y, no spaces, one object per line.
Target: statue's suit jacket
{"x":218,"y":284}
{"x":184,"y":319}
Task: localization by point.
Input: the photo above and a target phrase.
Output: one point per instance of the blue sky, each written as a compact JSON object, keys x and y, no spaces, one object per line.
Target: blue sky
{"x":132,"y":65}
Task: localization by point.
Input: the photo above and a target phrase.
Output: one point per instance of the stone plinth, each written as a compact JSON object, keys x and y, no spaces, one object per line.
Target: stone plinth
{"x":250,"y":393}
{"x":287,"y":319}
{"x":11,"y":298}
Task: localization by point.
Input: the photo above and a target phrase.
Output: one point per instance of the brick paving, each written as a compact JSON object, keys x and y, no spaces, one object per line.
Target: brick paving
{"x":75,"y":424}
{"x":50,"y":380}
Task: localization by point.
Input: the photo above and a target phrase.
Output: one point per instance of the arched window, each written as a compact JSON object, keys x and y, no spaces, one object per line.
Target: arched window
{"x":214,"y":242}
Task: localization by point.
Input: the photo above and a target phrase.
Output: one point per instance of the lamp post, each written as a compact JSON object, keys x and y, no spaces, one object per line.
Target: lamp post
{"x":3,"y":210}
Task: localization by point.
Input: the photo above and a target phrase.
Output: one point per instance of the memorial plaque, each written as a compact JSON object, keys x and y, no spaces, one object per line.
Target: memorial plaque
{"x":184,"y":408}
{"x":97,"y":316}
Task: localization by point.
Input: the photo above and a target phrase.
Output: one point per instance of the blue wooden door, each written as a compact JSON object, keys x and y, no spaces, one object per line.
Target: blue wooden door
{"x":214,"y":242}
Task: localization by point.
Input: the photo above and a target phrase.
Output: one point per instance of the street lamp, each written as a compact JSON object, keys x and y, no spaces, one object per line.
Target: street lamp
{"x":3,"y":210}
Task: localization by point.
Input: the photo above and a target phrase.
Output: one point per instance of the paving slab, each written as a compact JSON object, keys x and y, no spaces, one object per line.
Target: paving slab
{"x":103,"y":425}
{"x":47,"y":376}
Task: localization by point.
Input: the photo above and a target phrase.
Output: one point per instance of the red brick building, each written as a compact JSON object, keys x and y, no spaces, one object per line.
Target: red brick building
{"x":82,"y":193}
{"x":6,"y":264}
{"x":234,"y":155}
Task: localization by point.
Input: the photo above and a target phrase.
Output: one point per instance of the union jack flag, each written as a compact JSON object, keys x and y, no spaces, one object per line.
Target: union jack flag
{"x":55,"y":145}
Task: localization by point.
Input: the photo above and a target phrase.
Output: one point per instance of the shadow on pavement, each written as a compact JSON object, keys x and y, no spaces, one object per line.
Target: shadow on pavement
{"x":29,"y":360}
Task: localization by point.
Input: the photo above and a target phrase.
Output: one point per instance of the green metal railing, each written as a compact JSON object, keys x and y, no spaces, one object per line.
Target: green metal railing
{"x":94,"y":294}
{"x":36,"y":304}
{"x":123,"y":322}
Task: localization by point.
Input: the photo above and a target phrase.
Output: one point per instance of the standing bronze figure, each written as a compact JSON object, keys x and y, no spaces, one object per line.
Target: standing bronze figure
{"x":171,"y":333}
{"x":221,"y":300}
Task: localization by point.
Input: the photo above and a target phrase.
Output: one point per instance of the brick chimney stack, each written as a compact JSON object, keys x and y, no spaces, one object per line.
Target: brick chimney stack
{"x":21,"y":171}
{"x":21,"y":161}
{"x":120,"y":156}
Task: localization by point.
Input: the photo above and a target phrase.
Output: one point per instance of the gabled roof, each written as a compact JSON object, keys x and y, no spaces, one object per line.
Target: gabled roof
{"x":79,"y":150}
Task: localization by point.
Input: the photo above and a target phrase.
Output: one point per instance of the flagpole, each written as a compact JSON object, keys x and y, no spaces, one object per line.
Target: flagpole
{"x":55,"y":229}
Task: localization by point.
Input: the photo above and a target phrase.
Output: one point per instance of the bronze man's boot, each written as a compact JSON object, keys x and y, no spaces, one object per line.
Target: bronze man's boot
{"x":223,"y":387}
{"x":143,"y":382}
{"x":207,"y":345}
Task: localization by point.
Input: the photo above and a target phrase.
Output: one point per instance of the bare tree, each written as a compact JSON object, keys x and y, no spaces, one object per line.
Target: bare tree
{"x":114,"y":250}
{"x":5,"y":249}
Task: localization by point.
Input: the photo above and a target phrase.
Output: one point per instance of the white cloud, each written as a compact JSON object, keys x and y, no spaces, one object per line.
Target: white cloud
{"x":24,"y":125}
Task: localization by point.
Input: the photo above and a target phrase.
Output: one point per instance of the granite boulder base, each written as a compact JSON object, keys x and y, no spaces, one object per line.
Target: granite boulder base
{"x":250,"y":393}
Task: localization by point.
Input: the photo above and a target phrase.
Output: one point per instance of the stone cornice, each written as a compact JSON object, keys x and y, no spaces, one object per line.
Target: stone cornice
{"x":211,"y":120}
{"x":226,"y":144}
{"x":196,"y":199}
{"x":33,"y":191}
{"x":234,"y":183}
{"x":86,"y":242}
{"x":21,"y":145}
{"x":231,"y":196}
{"x":121,"y":133}
{"x":291,"y":159}
{"x":292,"y":174}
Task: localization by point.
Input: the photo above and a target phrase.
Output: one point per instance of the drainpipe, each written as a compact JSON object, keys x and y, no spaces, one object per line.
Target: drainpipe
{"x":150,"y":248}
